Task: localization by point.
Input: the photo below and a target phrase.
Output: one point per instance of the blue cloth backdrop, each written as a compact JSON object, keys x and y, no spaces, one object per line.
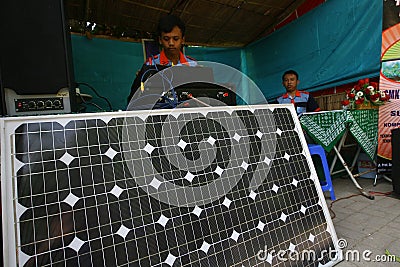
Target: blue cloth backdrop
{"x":108,"y":66}
{"x":336,"y":43}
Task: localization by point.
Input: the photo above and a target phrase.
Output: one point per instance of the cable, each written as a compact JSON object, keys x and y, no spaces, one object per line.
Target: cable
{"x":144,"y":96}
{"x":166,"y":83}
{"x":97,"y":106}
{"x":331,"y":205}
{"x":89,"y":103}
{"x":171,"y":87}
{"x":375,"y":193}
{"x":197,"y":100}
{"x":94,"y":90}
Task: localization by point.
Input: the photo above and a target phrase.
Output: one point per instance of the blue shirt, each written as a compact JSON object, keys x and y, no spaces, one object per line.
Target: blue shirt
{"x":303,"y":102}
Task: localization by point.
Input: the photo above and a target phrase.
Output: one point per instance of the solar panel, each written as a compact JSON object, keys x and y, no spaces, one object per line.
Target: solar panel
{"x":221,"y":186}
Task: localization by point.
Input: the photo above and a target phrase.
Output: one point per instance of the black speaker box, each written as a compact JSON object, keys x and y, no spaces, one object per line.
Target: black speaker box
{"x":396,"y":160}
{"x":36,"y":58}
{"x":2,"y":102}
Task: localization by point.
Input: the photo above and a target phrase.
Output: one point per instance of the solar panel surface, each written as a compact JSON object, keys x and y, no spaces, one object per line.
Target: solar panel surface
{"x":224,"y":186}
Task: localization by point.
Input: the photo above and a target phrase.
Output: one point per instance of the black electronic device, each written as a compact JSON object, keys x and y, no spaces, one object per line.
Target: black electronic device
{"x":396,"y":160}
{"x":36,"y":60}
{"x":222,"y":93}
{"x":2,"y":100}
{"x":167,"y":87}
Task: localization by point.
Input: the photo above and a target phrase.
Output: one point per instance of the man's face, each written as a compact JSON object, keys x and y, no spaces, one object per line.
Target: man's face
{"x":290,"y":82}
{"x":172,"y":41}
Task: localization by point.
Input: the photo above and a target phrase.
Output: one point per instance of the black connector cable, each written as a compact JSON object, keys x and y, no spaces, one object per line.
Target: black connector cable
{"x":89,"y":103}
{"x":94,"y":90}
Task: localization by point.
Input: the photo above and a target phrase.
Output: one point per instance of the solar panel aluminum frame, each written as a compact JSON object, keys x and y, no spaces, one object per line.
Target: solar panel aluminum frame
{"x":9,"y":167}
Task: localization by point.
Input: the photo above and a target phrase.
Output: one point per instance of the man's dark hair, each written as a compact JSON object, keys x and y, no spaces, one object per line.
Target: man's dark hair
{"x":290,"y":72}
{"x":167,"y":23}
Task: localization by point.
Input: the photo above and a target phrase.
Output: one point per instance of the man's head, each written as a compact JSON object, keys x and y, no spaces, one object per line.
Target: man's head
{"x":290,"y":80}
{"x":171,"y":35}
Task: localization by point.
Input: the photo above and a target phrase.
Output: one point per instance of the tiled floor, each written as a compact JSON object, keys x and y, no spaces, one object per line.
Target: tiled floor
{"x":366,"y":224}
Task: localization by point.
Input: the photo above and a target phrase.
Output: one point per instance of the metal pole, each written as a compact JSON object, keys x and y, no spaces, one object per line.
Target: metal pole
{"x":351,"y":175}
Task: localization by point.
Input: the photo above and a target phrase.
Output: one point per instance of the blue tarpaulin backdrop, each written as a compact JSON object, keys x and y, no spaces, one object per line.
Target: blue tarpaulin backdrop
{"x":108,"y":66}
{"x":336,"y":43}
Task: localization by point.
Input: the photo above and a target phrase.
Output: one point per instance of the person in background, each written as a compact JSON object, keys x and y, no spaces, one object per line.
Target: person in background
{"x":171,"y":37}
{"x":302,"y":100}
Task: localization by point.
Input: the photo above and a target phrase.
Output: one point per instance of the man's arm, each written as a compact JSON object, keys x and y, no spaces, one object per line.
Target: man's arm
{"x":312,"y":104}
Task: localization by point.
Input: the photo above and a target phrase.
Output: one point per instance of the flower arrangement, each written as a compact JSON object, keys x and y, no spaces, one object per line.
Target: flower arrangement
{"x":365,"y":93}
